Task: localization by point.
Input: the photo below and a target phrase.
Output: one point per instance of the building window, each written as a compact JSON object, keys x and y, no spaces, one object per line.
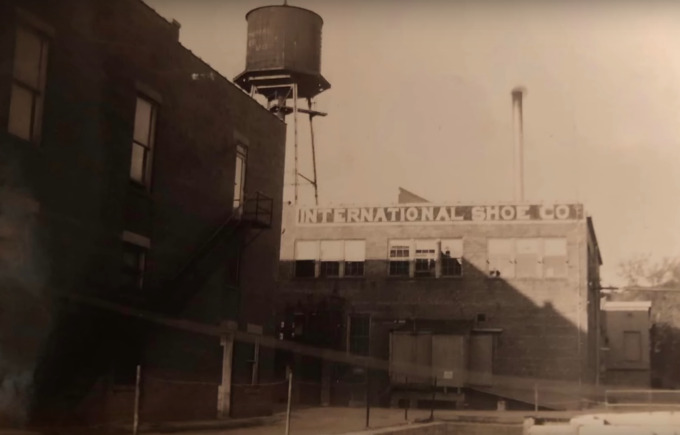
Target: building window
{"x":332,"y":254}
{"x":555,"y":258}
{"x":134,"y":264}
{"x":28,"y":84}
{"x":400,"y":257}
{"x":451,"y":255}
{"x":240,"y":176}
{"x":142,"y":142}
{"x":501,"y":258}
{"x":425,"y":258}
{"x":306,"y":256}
{"x":336,"y":258}
{"x":359,"y":334}
{"x":632,"y":346}
{"x":355,"y":257}
{"x":527,"y":258}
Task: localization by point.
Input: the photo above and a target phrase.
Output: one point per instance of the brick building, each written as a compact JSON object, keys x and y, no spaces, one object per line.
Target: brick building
{"x":130,"y":172}
{"x":497,"y":291}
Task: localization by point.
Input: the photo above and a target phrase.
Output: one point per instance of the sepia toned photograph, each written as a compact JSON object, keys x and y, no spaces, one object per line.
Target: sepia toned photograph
{"x":320,"y":217}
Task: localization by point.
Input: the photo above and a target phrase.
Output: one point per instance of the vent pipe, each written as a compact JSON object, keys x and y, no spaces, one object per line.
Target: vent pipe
{"x":518,"y":133}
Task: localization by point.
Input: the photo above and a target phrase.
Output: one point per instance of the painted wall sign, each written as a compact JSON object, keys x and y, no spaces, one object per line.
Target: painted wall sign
{"x":437,"y":214}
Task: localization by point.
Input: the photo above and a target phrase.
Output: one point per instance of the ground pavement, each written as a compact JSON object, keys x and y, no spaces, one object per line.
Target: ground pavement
{"x":334,"y":421}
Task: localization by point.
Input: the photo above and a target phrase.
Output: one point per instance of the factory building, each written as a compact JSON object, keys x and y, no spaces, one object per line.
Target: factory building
{"x":477,"y":293}
{"x":132,"y":174}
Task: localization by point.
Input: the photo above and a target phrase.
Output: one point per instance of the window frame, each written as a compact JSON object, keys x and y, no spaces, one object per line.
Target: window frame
{"x":434,"y":259}
{"x":241,"y":156}
{"x":541,"y":258}
{"x":148,"y":148}
{"x":320,"y":264}
{"x":136,"y":272}
{"x":37,"y":92}
{"x":142,"y":245}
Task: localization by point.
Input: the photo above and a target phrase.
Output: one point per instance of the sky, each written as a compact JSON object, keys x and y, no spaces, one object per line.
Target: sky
{"x":420,"y":99}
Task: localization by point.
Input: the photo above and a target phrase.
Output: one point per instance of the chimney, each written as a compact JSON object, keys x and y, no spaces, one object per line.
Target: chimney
{"x":518,"y":136}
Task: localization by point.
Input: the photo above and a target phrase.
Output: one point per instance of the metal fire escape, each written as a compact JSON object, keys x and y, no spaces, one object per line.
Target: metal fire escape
{"x":243,"y":225}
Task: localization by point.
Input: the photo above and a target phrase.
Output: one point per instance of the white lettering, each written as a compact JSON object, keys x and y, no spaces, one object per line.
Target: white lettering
{"x":338,"y":216}
{"x":442,"y":215}
{"x":427,"y":213}
{"x":454,"y":216}
{"x":310,"y":216}
{"x":411,"y":214}
{"x":366,"y":215}
{"x":380,"y":215}
{"x":507,"y":213}
{"x":324,"y":215}
{"x":478,"y":214}
{"x":523,"y":212}
{"x":353,"y":215}
{"x":546,"y":212}
{"x":393,"y":213}
{"x":492,"y":213}
{"x":562,"y":212}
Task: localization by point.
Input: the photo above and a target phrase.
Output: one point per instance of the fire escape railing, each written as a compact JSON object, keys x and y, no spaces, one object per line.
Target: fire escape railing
{"x":258,"y":210}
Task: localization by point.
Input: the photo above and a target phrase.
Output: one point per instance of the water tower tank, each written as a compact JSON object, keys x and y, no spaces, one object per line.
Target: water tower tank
{"x":284,"y":40}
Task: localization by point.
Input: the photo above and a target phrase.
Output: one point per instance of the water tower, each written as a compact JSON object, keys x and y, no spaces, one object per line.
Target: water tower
{"x":283,"y":63}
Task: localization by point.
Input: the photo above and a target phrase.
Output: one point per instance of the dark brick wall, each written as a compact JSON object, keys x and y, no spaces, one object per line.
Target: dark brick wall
{"x":101,"y":55}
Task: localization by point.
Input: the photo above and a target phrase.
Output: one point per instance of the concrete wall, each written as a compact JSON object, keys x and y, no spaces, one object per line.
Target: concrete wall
{"x":101,"y":55}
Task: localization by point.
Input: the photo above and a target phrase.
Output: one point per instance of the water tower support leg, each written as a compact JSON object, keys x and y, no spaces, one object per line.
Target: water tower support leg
{"x":295,"y":128}
{"x":311,"y":131}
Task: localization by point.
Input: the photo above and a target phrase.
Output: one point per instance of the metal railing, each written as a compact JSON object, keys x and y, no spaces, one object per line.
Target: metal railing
{"x":258,"y":209}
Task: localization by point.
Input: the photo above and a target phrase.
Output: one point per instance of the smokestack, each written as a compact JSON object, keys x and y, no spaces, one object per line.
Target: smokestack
{"x":518,"y":133}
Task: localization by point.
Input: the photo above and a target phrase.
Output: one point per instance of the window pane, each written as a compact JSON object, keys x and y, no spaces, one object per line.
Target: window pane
{"x":426,"y":245}
{"x":143,"y":120}
{"x":306,"y":250}
{"x":501,"y":266}
{"x":555,"y":247}
{"x":454,"y":247}
{"x":399,"y":268}
{"x":20,"y":112}
{"x":501,"y":246}
{"x":27,"y":56}
{"x":238,"y":179}
{"x":425,"y":267}
{"x":528,"y":258}
{"x":330,"y":268}
{"x":332,"y":250}
{"x":355,"y":250}
{"x":304,"y":269}
{"x":354,"y":268}
{"x":555,"y":267}
{"x":137,"y":163}
{"x":451,"y":266}
{"x":399,"y":248}
{"x":528,"y":246}
{"x":529,"y":266}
